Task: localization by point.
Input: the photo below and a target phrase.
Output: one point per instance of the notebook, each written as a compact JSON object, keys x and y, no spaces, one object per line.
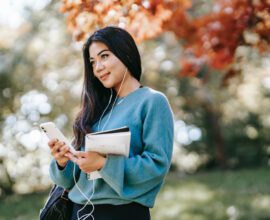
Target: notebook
{"x":115,"y":141}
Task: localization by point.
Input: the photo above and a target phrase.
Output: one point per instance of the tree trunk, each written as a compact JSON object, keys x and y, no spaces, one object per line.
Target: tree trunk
{"x":215,"y":133}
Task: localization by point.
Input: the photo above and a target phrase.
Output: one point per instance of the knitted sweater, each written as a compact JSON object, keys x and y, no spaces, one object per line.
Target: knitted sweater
{"x":139,"y":177}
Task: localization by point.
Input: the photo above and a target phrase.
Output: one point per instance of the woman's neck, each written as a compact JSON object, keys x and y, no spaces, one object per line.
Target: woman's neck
{"x":129,"y":85}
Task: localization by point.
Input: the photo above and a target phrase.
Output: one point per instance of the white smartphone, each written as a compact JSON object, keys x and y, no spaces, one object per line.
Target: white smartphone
{"x":51,"y":131}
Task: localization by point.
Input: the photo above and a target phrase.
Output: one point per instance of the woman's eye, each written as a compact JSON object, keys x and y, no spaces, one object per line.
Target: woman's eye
{"x":104,"y":56}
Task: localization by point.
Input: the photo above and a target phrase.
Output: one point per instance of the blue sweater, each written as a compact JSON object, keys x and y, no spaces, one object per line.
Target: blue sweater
{"x":138,"y":178}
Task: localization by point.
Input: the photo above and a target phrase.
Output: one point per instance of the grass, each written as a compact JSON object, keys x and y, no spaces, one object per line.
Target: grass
{"x":22,"y":207}
{"x":230,"y":195}
{"x":241,"y":195}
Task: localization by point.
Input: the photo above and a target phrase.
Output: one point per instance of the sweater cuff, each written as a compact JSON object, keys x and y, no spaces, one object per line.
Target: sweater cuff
{"x":62,"y":176}
{"x":113,"y":170}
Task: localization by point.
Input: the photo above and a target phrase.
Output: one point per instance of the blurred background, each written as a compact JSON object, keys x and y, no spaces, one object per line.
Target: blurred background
{"x":211,"y":59}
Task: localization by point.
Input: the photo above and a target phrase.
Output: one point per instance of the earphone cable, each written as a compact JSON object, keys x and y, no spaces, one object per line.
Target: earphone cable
{"x":84,"y":217}
{"x":116,"y":98}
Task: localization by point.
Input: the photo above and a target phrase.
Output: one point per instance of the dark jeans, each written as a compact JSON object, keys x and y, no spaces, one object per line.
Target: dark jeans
{"x":131,"y":211}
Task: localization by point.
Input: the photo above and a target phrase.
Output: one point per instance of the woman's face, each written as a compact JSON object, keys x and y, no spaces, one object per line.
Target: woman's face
{"x":106,"y":66}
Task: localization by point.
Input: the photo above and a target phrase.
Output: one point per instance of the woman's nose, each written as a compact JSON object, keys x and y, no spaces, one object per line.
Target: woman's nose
{"x":99,"y":66}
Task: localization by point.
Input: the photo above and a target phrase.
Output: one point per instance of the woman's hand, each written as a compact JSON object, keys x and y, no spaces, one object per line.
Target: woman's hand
{"x":88,"y":161}
{"x":58,"y":151}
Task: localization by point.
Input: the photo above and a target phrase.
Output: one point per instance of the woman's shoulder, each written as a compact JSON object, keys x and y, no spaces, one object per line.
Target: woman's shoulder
{"x":152,"y":96}
{"x":155,"y":103}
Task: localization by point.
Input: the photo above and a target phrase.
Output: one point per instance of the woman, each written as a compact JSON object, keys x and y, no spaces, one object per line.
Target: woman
{"x":113,"y":97}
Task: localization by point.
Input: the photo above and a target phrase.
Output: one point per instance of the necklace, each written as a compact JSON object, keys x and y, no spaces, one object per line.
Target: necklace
{"x":121,"y":100}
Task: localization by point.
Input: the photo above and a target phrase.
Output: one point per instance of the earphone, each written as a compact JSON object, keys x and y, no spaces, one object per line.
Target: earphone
{"x":113,"y":103}
{"x":84,"y":217}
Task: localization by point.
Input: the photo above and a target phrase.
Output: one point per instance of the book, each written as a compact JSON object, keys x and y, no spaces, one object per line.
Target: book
{"x":116,"y":130}
{"x":115,"y":141}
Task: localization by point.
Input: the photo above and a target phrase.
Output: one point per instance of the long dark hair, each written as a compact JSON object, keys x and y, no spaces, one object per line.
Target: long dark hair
{"x":95,"y":96}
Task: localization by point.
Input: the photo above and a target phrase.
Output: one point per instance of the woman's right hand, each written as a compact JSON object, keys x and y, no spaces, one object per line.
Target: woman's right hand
{"x":58,"y":151}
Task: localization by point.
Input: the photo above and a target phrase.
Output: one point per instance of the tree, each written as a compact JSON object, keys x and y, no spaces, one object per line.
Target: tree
{"x":40,"y":76}
{"x":210,"y":39}
{"x":41,"y":79}
{"x":210,"y":33}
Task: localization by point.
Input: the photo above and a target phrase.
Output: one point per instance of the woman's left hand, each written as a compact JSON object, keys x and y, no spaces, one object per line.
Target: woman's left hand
{"x":88,"y":161}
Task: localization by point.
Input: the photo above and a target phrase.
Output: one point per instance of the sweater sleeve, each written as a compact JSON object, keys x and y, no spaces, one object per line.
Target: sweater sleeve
{"x":133,"y":177}
{"x":63,"y":177}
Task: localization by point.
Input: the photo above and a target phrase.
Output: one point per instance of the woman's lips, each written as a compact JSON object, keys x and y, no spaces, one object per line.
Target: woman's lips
{"x":104,"y":76}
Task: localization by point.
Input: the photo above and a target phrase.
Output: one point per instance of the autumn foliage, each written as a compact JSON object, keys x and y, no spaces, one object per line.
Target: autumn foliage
{"x":209,"y":40}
